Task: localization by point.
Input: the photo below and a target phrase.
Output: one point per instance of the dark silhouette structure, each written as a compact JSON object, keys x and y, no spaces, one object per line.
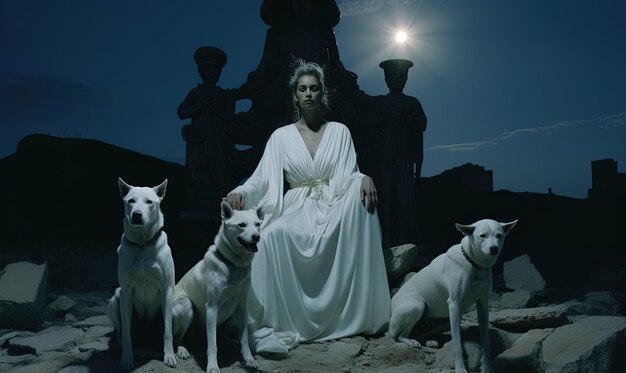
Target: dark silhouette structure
{"x":387,"y":130}
{"x":395,"y":157}
{"x":468,"y":176}
{"x":388,"y":134}
{"x":607,"y":185}
{"x":213,"y":164}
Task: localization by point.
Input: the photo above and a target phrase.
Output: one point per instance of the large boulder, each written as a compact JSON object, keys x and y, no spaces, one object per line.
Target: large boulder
{"x":398,"y":260}
{"x":61,"y":305}
{"x":470,"y":338}
{"x":522,"y":320}
{"x":591,"y":344}
{"x":524,"y":355}
{"x":51,"y":339}
{"x":602,"y":303}
{"x":519,"y":298}
{"x":597,"y":303}
{"x":23,"y":295}
{"x":520,"y":273}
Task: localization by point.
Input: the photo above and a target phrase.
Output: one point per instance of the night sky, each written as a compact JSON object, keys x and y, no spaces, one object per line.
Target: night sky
{"x":531,"y":89}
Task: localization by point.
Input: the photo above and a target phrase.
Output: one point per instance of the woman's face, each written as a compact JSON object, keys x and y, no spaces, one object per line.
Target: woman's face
{"x":308,"y":92}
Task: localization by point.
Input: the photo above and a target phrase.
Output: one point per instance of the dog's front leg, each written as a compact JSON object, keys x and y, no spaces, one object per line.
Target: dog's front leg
{"x":214,"y":293}
{"x":182,"y":316}
{"x":168,"y":348}
{"x":126,"y":314}
{"x":482,"y":310}
{"x":242,"y":323}
{"x":454,"y":308}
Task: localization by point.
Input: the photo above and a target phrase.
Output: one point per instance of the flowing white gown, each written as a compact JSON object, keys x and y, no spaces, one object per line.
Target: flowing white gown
{"x":319,"y":273}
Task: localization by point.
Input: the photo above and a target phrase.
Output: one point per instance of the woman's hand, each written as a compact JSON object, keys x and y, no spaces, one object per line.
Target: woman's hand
{"x":369,"y":196}
{"x":235,"y":200}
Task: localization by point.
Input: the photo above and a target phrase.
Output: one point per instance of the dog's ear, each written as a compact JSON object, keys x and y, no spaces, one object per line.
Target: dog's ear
{"x":124,"y":188}
{"x":467,"y":230}
{"x":227,"y":211}
{"x":508,"y":226}
{"x":259,"y":213}
{"x":160,"y":189}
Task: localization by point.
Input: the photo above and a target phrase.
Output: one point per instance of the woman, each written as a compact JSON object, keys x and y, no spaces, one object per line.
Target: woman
{"x":319,"y":273}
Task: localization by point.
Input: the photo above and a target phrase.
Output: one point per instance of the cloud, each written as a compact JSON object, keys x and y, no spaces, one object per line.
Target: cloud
{"x":28,"y":98}
{"x":356,"y":7}
{"x":464,"y":146}
{"x":606,"y":123}
{"x":612,"y":121}
{"x":538,"y":130}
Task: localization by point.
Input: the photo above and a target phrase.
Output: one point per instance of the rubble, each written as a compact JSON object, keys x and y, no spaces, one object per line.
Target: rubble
{"x":520,"y":273}
{"x":524,"y":355}
{"x":23,"y":294}
{"x":519,"y":298}
{"x":398,"y":260}
{"x":563,"y":337}
{"x":587,"y":345}
{"x":525,"y":319}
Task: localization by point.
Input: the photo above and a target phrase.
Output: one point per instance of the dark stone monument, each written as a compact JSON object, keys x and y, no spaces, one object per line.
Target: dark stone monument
{"x":388,"y":134}
{"x":214,"y":166}
{"x":395,"y":160}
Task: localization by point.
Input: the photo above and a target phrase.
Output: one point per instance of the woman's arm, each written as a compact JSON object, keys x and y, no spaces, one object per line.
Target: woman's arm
{"x":369,"y":196}
{"x":265,"y":186}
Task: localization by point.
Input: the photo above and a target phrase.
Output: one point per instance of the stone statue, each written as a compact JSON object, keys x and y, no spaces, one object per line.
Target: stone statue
{"x":388,"y":137}
{"x":395,"y":156}
{"x":213,"y":165}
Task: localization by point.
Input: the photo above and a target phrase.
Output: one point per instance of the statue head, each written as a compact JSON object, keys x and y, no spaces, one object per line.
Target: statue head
{"x":300,"y":68}
{"x":282,"y":13}
{"x":210,"y":61}
{"x":396,"y":73}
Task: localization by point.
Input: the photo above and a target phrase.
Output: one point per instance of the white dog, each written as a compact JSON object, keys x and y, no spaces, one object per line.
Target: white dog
{"x":451,"y":283}
{"x":145,"y":269}
{"x":217,"y":287}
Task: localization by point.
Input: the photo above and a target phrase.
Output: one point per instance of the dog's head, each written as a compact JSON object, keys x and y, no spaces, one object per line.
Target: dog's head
{"x":245,"y":225}
{"x":486,"y":235}
{"x":141,"y":204}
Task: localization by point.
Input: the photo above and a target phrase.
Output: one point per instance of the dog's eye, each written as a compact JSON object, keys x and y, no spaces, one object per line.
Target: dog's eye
{"x":149,"y":201}
{"x":499,"y":235}
{"x":257,"y":224}
{"x":131,"y":201}
{"x":483,"y":236}
{"x":242,"y":225}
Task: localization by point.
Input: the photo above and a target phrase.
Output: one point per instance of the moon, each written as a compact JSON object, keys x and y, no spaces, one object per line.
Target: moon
{"x":401,"y":36}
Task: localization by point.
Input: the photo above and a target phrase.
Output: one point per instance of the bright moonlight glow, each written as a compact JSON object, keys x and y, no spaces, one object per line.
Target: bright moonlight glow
{"x":400,"y":36}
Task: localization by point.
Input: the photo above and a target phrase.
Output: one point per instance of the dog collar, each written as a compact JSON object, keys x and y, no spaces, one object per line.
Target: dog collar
{"x":150,"y":242}
{"x":473,"y":263}
{"x":223,"y":258}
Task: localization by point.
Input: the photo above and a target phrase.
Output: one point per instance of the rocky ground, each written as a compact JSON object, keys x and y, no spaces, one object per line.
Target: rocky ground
{"x":533,"y":329}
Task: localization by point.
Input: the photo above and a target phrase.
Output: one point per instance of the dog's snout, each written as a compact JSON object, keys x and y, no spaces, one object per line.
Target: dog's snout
{"x":136,"y":217}
{"x":256,"y":237}
{"x":493,"y":250}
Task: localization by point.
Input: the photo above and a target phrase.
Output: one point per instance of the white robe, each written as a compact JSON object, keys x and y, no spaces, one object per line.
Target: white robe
{"x":319,"y":273}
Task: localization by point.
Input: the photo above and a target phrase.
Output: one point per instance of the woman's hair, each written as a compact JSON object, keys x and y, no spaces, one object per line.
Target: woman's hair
{"x":300,"y":68}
